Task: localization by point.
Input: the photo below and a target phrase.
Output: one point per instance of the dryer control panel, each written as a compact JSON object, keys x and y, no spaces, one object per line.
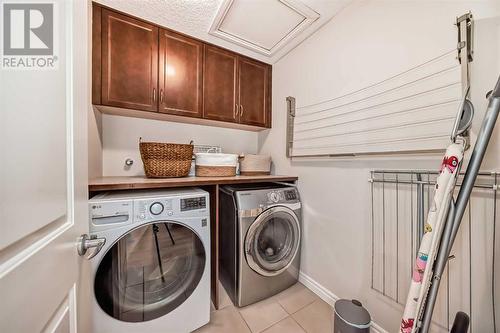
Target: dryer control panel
{"x":282,"y":195}
{"x":290,"y":194}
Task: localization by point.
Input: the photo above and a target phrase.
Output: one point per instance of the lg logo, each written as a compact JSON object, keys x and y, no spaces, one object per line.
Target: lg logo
{"x":28,"y":36}
{"x":28,"y":29}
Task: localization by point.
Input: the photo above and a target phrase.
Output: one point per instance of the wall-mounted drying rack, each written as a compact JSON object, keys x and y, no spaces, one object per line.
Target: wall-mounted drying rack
{"x":411,"y":111}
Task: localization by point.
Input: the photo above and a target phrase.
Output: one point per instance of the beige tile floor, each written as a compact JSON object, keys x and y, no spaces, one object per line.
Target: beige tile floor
{"x":295,"y":310}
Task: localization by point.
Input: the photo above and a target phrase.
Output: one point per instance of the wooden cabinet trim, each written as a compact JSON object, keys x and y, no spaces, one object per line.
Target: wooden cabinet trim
{"x":269,"y":101}
{"x":96,"y":54}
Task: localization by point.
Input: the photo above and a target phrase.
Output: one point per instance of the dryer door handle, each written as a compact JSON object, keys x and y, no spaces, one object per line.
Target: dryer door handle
{"x":85,"y":242}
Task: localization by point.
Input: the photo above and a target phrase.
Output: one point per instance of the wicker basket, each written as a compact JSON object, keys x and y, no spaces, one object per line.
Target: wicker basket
{"x":164,"y":160}
{"x":253,"y":165}
{"x":215,"y":171}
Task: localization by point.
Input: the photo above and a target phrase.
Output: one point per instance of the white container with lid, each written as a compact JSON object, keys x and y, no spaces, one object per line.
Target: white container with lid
{"x":215,"y":164}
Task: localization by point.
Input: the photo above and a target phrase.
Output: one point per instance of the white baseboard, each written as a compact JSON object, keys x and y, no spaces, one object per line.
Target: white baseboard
{"x":323,"y":293}
{"x":329,"y":297}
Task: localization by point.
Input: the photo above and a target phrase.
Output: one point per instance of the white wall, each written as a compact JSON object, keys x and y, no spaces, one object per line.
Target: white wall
{"x":120,"y":140}
{"x":365,"y":43}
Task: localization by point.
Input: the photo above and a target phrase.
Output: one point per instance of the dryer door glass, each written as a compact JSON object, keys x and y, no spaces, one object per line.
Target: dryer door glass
{"x":149,"y":272}
{"x":273,"y":241}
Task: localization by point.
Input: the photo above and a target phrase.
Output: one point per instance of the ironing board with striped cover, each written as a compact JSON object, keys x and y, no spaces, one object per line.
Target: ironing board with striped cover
{"x":422,"y":271}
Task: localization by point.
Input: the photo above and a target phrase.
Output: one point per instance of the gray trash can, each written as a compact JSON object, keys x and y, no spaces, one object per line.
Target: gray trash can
{"x":351,"y":317}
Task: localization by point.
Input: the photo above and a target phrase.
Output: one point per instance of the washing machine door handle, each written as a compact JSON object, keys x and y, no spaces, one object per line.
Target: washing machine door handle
{"x":85,"y":243}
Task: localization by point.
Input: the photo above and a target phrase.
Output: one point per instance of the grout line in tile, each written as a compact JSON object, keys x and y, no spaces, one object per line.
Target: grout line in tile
{"x":317,"y":298}
{"x":287,"y":315}
{"x":301,"y":309}
{"x":281,"y":306}
{"x":242,"y":318}
{"x":225,"y":306}
{"x":268,"y":327}
{"x":303,"y":328}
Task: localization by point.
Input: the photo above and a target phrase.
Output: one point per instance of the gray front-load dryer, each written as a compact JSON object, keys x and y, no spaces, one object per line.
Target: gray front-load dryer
{"x":260,"y":238}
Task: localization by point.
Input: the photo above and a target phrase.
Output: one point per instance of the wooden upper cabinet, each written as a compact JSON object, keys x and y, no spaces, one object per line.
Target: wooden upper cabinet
{"x":254,"y":92}
{"x":219,"y":84}
{"x":137,"y":65}
{"x":180,"y":75}
{"x":129,"y":60}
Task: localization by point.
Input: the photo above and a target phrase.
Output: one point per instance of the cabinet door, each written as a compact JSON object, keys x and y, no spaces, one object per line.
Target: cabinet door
{"x":254,"y":92}
{"x":180,"y":77}
{"x":129,"y":62}
{"x":219,"y":84}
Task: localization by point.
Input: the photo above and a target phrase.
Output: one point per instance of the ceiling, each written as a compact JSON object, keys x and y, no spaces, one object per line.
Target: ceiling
{"x":262,"y":29}
{"x":265,"y":27}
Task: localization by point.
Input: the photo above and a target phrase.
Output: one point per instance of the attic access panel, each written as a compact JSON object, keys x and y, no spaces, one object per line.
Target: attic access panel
{"x":262,"y":26}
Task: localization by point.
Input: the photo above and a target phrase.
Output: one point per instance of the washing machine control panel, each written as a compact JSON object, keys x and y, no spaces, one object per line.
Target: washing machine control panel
{"x":156,"y":208}
{"x":168,"y":208}
{"x":108,"y":215}
{"x":148,"y":209}
{"x":193,"y":203}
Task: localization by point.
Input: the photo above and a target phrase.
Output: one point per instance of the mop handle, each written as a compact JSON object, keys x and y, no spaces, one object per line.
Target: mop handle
{"x":496,"y":91}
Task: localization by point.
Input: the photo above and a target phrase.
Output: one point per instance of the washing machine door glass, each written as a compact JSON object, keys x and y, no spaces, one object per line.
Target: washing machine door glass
{"x":272,"y":241}
{"x":149,"y":271}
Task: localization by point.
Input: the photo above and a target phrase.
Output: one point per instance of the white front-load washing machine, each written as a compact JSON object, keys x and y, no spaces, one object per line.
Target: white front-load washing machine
{"x":153,"y":273}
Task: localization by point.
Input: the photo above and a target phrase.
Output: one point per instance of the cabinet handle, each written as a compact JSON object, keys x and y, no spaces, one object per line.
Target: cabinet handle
{"x":161,"y":96}
{"x":154,"y":94}
{"x":241,"y":110}
{"x":235,"y":112}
